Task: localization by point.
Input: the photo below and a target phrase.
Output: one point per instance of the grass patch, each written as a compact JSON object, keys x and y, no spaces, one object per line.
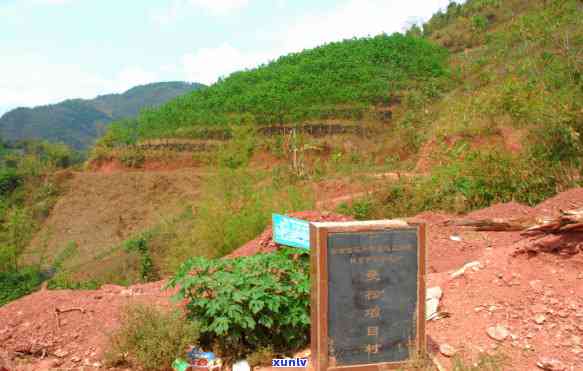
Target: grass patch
{"x":150,"y":338}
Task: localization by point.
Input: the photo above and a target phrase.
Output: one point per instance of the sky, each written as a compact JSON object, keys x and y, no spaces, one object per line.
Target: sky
{"x":51,"y":50}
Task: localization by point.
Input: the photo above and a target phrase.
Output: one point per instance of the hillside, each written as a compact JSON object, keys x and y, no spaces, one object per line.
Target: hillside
{"x":348,"y":80}
{"x":78,"y":122}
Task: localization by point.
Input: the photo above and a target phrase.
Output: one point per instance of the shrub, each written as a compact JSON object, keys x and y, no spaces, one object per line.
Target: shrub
{"x":248,"y":303}
{"x":15,"y":284}
{"x":9,"y":180}
{"x":360,"y":209}
{"x":261,"y":357}
{"x":150,"y":338}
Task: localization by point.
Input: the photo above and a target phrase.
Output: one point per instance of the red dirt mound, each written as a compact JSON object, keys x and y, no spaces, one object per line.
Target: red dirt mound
{"x":264,"y":243}
{"x":503,"y":210}
{"x":36,"y":338}
{"x":570,"y":199}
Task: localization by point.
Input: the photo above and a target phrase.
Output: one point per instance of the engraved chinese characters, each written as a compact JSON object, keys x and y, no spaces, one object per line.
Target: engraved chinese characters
{"x":372,"y":295}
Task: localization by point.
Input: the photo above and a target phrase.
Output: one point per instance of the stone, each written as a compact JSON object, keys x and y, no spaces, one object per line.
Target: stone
{"x":539,"y":319}
{"x":447,"y":350}
{"x":550,"y":364}
{"x":576,"y":340}
{"x":498,"y":332}
{"x":433,"y":296}
{"x":61,"y":353}
{"x":75,"y":359}
{"x":475,"y":265}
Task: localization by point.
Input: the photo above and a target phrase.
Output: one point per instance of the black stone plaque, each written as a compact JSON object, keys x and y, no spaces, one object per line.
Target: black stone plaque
{"x":372,"y":295}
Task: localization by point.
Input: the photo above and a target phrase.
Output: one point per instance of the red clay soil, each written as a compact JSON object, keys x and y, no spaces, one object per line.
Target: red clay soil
{"x":538,"y":299}
{"x":32,"y":339}
{"x":179,"y":161}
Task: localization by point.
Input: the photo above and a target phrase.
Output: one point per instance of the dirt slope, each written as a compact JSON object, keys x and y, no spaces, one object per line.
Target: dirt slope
{"x":99,"y":210}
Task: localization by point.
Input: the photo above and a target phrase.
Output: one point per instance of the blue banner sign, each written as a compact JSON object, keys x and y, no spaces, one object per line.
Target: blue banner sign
{"x":291,"y":232}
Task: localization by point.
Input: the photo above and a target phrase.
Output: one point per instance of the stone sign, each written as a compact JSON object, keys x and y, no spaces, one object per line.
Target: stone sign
{"x":368,"y":293}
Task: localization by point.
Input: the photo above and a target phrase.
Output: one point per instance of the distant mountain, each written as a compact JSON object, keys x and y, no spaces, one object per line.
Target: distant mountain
{"x":78,"y":122}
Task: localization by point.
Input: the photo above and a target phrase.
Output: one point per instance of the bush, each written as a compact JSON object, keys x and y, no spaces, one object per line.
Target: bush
{"x":15,"y":284}
{"x":249,"y":303}
{"x":9,"y":180}
{"x":360,"y":209}
{"x":150,"y":338}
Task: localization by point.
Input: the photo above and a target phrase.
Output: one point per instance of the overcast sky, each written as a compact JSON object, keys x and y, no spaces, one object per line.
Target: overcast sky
{"x":51,"y":50}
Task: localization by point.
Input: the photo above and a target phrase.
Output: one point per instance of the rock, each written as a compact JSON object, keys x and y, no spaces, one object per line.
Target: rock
{"x":550,"y":364}
{"x":447,"y":350}
{"x":498,"y":332}
{"x":432,"y":302}
{"x":475,"y":265}
{"x":61,"y":353}
{"x":539,"y":318}
{"x":75,"y":359}
{"x":576,"y":340}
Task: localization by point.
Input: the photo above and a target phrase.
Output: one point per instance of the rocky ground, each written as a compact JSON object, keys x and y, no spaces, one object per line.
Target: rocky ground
{"x":528,"y":307}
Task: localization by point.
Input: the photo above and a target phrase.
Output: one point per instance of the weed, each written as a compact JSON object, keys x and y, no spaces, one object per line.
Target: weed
{"x":150,"y":338}
{"x":261,"y":357}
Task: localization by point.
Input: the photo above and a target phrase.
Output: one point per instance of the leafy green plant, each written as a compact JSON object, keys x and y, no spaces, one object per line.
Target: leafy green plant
{"x":247,"y":303}
{"x":150,"y":338}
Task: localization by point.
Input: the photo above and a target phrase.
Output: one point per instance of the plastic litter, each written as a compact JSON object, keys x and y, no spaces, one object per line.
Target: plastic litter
{"x":180,"y":365}
{"x":201,"y":360}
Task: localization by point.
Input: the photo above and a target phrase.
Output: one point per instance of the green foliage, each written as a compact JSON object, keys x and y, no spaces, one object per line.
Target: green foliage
{"x":132,"y":157}
{"x":150,"y":338}
{"x":9,"y":180}
{"x":471,"y":180}
{"x":337,"y":80}
{"x":15,"y":284}
{"x":359,"y":209}
{"x":139,"y":244}
{"x":247,"y":303}
{"x":238,"y":151}
{"x":15,"y":232}
{"x":79,"y":122}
